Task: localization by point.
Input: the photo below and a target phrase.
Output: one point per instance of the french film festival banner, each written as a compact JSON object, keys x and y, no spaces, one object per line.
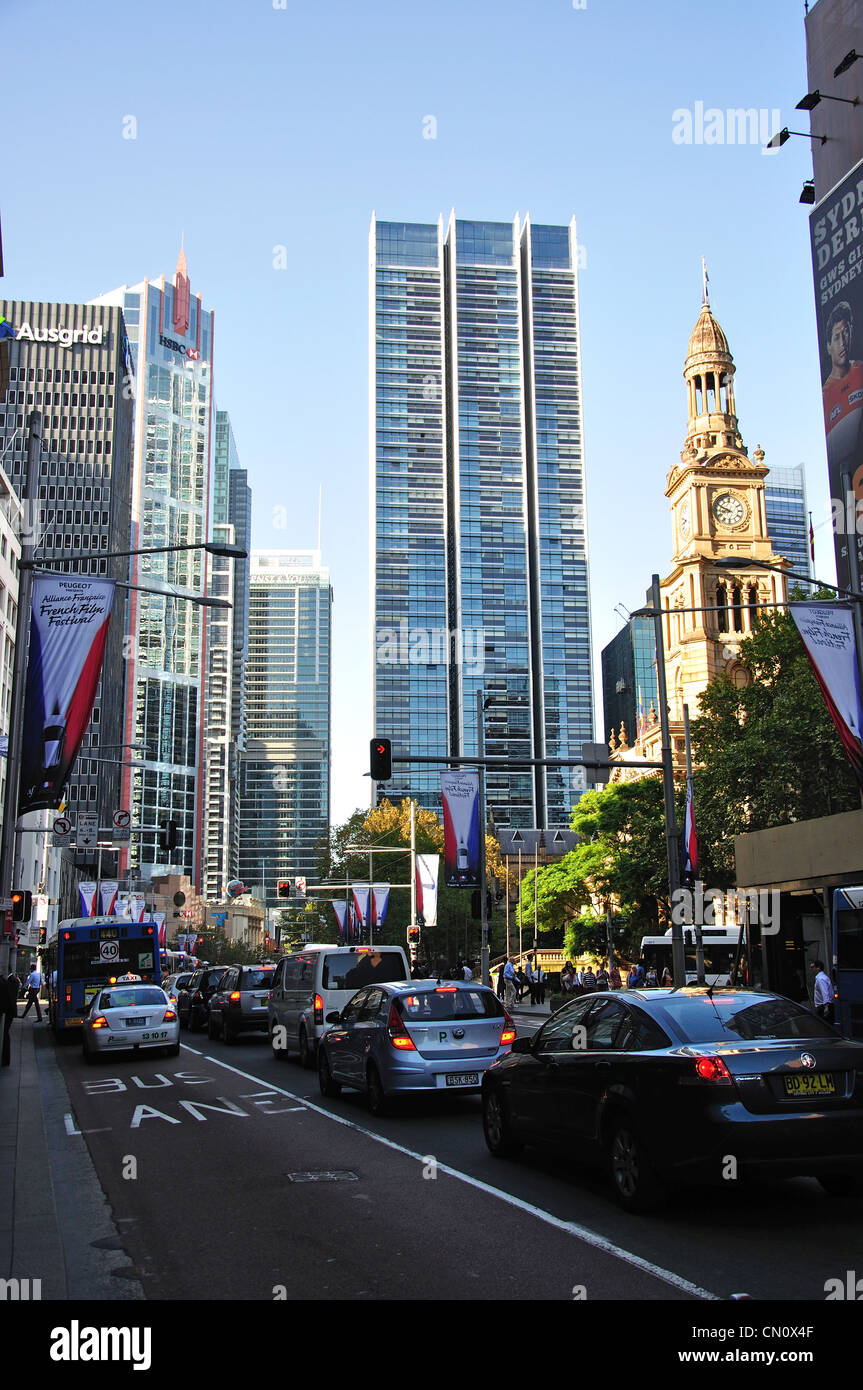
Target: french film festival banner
{"x":827,"y":630}
{"x":69,"y":619}
{"x":460,"y":792}
{"x":427,"y":880}
{"x":836,"y":231}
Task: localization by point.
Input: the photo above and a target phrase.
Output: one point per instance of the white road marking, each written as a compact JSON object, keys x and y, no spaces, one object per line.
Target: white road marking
{"x":572,"y":1228}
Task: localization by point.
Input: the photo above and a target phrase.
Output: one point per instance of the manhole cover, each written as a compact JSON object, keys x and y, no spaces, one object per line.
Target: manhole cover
{"x":324,"y":1175}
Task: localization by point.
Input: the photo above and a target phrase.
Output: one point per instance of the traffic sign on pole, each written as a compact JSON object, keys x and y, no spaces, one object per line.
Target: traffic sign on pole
{"x":88,"y":829}
{"x":62,"y":829}
{"x":121,"y":822}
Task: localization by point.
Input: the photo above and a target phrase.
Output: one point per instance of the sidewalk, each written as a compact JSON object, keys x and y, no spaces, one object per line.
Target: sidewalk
{"x":54,"y":1219}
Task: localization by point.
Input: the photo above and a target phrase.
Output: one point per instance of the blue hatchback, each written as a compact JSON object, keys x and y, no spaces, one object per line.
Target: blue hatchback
{"x":423,"y":1036}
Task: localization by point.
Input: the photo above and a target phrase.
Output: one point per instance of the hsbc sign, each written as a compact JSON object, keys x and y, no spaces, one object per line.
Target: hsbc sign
{"x":189,"y":352}
{"x":66,"y":337}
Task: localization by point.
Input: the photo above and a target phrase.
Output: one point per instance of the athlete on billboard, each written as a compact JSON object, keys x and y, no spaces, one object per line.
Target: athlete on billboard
{"x":843,"y":403}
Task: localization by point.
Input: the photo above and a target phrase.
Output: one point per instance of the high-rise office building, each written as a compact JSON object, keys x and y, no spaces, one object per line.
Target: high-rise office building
{"x":788,"y":516}
{"x":227,"y":645}
{"x":171,"y":336}
{"x":480,"y":576}
{"x":285,"y":787}
{"x":629,"y":684}
{"x":70,"y":363}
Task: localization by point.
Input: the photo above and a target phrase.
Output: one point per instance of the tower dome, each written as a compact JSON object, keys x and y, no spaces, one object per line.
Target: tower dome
{"x":709,"y":374}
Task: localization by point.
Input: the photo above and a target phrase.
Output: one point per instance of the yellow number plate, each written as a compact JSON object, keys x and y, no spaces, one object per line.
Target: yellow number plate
{"x":818,"y":1085}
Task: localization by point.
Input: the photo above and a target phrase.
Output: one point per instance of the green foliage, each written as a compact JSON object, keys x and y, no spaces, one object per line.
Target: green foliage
{"x":767,"y":754}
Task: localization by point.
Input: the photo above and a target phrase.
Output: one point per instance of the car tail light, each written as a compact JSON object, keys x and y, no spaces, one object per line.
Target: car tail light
{"x":99,"y":1022}
{"x":169,"y":1016}
{"x":447,"y":989}
{"x":319,"y":1009}
{"x":507,"y":1037}
{"x":234,"y":997}
{"x":712,"y":1069}
{"x":397,"y":1033}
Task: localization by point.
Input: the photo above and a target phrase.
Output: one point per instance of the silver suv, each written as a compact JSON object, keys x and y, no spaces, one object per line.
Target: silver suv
{"x":239,"y":1005}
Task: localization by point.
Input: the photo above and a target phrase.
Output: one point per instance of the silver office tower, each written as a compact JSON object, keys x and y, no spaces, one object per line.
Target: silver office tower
{"x":171,"y":336}
{"x":478,"y":520}
{"x":285,"y":789}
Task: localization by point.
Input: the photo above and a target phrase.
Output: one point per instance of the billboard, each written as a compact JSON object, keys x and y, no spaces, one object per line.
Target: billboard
{"x":460,"y":792}
{"x":69,"y":617}
{"x":836,"y":231}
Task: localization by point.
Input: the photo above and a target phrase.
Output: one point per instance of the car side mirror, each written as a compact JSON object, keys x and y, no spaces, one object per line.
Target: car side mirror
{"x":522,"y":1045}
{"x":334,"y":1017}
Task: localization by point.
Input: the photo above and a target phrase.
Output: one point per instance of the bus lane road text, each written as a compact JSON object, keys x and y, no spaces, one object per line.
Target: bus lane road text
{"x":183,"y":1108}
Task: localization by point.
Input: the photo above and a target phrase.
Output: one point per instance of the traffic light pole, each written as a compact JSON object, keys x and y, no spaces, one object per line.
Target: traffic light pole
{"x":480,"y":748}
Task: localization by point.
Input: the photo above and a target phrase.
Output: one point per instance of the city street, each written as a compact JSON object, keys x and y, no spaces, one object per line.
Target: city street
{"x":249,"y":1185}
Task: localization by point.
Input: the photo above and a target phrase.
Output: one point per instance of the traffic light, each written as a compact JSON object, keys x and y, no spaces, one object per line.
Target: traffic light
{"x":43,"y":936}
{"x":476,"y":905}
{"x":168,"y":837}
{"x":381,"y":759}
{"x":413,"y":936}
{"x":22,"y":905}
{"x":283,"y":888}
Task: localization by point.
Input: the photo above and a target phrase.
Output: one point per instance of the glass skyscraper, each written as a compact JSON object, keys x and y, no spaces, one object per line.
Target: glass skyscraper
{"x":629,"y":681}
{"x":171,"y":337}
{"x":285,"y":787}
{"x":478,"y":524}
{"x":788,"y":516}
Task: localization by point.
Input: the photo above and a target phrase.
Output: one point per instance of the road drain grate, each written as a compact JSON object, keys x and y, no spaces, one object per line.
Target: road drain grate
{"x":324,"y":1175}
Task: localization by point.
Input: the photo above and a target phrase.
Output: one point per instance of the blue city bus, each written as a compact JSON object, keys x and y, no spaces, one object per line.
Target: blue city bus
{"x":848,"y":960}
{"x":87,"y":953}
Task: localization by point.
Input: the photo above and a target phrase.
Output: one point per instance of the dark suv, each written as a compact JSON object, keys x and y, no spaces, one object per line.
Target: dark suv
{"x":239,"y":1005}
{"x":193,"y":1002}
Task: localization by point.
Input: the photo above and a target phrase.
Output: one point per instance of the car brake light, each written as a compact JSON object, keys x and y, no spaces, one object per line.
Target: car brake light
{"x":397,"y":1033}
{"x":319,"y":1009}
{"x":99,"y":1022}
{"x":235,"y":996}
{"x":712,"y":1069}
{"x":507,"y":1037}
{"x":169,"y":1016}
{"x":447,"y":989}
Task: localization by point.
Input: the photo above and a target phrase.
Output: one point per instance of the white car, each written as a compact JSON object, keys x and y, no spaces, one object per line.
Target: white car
{"x":131,"y":1017}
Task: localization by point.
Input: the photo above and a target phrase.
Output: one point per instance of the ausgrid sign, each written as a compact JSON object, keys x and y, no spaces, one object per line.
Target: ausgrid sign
{"x":64,"y":336}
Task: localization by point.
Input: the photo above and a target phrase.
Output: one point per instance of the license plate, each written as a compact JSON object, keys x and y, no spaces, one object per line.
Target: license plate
{"x":462,"y":1078}
{"x":135,"y":1022}
{"x":820,"y":1084}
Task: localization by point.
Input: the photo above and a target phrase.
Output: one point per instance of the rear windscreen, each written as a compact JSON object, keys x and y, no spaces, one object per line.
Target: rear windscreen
{"x":358,"y":968}
{"x":128,"y":998}
{"x":82,"y":960}
{"x":256,"y":979}
{"x":433,"y":1005}
{"x":728,"y":1016}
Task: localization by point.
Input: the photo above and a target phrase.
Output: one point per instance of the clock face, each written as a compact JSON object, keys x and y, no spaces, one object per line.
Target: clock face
{"x":729,"y":510}
{"x":685,"y":522}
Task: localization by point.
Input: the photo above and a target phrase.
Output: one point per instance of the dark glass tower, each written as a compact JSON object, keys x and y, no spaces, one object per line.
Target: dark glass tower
{"x":479,"y":538}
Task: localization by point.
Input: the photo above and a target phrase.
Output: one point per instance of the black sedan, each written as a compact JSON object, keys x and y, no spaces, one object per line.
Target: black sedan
{"x":683,"y":1086}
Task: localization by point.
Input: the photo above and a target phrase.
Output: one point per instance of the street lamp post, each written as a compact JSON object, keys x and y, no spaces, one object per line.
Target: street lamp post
{"x":678,"y":948}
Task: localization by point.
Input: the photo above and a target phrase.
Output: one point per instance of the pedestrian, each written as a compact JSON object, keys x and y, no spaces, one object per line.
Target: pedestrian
{"x":467,"y":973}
{"x":567,"y":978}
{"x":531,"y":979}
{"x":588,"y":983}
{"x":9,"y":1010}
{"x":667,"y":978}
{"x":824,"y":991}
{"x":614,"y":978}
{"x":651,"y":979}
{"x":510,"y":981}
{"x":539,"y":984}
{"x":602,"y":982}
{"x":34,"y":984}
{"x":500,"y":980}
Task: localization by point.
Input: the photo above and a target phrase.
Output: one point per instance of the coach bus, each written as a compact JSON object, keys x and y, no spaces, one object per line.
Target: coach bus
{"x":720,"y":954}
{"x":86,"y":953}
{"x":848,"y":960}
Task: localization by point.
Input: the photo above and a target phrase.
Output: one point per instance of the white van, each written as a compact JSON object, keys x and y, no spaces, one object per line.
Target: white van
{"x":309,"y":984}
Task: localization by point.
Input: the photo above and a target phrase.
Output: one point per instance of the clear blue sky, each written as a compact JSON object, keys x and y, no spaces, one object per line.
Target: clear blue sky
{"x":260,"y":127}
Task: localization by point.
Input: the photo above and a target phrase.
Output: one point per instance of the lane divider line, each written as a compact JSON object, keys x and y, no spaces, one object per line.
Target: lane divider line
{"x":572,"y":1228}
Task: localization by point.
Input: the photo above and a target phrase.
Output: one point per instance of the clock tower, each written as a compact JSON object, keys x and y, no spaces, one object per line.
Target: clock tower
{"x":716,"y":494}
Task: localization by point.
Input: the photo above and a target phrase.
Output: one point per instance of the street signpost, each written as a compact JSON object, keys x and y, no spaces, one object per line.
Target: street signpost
{"x":121,"y":823}
{"x":88,"y":829}
{"x":62,"y":829}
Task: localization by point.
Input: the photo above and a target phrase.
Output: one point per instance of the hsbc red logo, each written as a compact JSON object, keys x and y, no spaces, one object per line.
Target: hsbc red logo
{"x":192,"y":353}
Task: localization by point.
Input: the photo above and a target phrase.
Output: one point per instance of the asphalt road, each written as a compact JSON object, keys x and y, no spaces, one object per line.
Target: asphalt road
{"x":231,"y":1177}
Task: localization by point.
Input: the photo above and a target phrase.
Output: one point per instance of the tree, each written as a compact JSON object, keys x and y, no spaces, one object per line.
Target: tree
{"x":768,"y":753}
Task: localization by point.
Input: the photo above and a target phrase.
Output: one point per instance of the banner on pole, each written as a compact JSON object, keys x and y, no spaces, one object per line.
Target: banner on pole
{"x":427,"y":884}
{"x":69,"y":618}
{"x":380,"y":899}
{"x":87,"y":894}
{"x":340,"y":909}
{"x":361,"y":893}
{"x":108,"y":897}
{"x":689,"y":841}
{"x":827,"y":632}
{"x":460,"y":792}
